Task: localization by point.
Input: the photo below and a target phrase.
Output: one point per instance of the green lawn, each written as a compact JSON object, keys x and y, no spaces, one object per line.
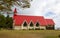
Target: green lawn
{"x":29,"y":33}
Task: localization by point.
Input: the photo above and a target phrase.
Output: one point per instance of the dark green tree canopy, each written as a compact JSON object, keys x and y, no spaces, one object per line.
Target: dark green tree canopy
{"x":6,"y":22}
{"x":2,"y":21}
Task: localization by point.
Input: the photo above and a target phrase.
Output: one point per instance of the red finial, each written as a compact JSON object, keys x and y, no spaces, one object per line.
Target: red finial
{"x":15,"y":10}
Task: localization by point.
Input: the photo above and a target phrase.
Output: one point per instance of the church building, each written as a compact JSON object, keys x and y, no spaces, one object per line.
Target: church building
{"x":26,"y":22}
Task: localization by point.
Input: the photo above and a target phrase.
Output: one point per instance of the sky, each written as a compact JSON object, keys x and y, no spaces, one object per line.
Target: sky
{"x":47,"y":8}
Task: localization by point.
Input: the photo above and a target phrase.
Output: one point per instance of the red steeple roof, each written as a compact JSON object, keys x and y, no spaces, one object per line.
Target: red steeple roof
{"x":15,"y":10}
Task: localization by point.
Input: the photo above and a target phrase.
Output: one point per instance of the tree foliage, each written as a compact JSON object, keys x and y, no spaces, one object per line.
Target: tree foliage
{"x":9,"y":22}
{"x":6,"y":4}
{"x":6,"y":22}
{"x":2,"y":21}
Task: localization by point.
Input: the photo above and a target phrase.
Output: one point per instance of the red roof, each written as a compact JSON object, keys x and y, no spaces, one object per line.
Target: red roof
{"x":50,"y":22}
{"x":19,"y":19}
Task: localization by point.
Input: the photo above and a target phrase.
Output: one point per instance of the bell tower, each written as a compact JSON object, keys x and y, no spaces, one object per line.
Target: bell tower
{"x":14,"y":15}
{"x":15,"y":11}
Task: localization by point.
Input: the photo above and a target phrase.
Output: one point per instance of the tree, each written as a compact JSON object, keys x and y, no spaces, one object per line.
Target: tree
{"x":2,"y":21}
{"x":6,"y":22}
{"x":9,"y":22}
{"x":7,"y":4}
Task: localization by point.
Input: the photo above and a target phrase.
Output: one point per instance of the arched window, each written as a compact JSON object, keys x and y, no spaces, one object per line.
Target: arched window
{"x":25,"y":24}
{"x":31,"y":24}
{"x":37,"y":24}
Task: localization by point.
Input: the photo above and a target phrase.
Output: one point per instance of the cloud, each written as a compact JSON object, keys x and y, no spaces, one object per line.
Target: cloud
{"x":49,"y":13}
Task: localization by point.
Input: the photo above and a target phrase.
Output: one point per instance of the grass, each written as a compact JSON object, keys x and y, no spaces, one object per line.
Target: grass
{"x":29,"y":33}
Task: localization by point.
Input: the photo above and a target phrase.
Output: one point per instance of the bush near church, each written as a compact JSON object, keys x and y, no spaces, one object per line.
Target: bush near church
{"x":5,"y":22}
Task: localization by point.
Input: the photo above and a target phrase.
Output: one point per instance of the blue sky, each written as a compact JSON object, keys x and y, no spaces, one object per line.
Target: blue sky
{"x":46,"y":8}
